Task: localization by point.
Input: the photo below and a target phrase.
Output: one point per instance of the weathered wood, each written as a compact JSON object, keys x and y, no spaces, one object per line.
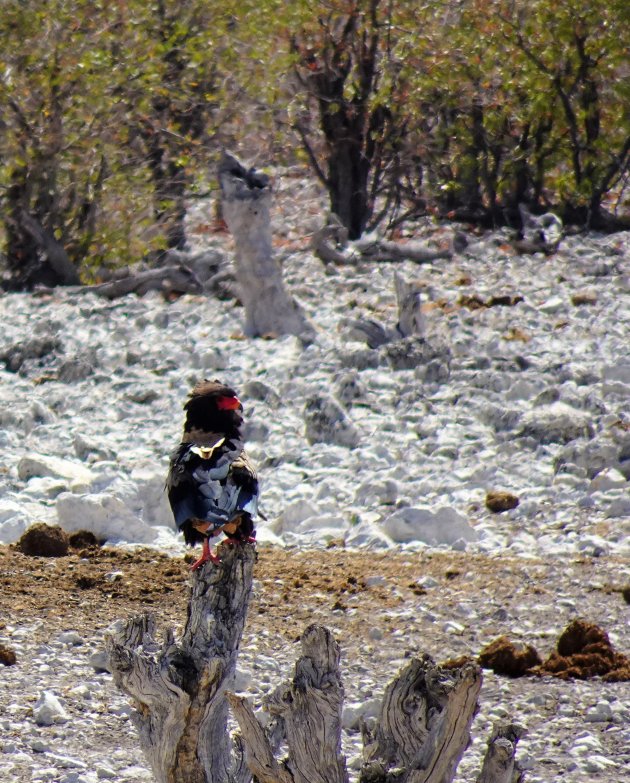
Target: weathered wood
{"x":410,"y":317}
{"x":179,"y":688}
{"x":411,"y":322}
{"x":330,"y":244}
{"x":178,"y":279}
{"x":246,"y":200}
{"x":310,"y":710}
{"x":377,"y":249}
{"x":424,"y":724}
{"x":499,"y":764}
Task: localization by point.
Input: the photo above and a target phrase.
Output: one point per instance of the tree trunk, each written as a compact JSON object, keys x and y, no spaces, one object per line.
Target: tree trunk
{"x":269,"y":309}
{"x":33,"y":253}
{"x":178,"y":688}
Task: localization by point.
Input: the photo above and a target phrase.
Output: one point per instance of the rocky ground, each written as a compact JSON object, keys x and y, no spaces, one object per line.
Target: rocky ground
{"x":382,"y":608}
{"x":381,"y":470}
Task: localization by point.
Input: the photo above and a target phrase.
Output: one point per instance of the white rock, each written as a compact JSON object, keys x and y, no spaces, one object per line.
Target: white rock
{"x":74,"y":473}
{"x":609,"y":478}
{"x":552,"y":305}
{"x":105,"y":773}
{"x":443,"y":525}
{"x":70,"y":637}
{"x":105,"y":515}
{"x":556,"y":423}
{"x":99,"y":661}
{"x":48,"y":710}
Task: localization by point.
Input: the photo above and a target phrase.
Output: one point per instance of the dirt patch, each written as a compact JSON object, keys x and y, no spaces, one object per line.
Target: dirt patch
{"x":390,"y":601}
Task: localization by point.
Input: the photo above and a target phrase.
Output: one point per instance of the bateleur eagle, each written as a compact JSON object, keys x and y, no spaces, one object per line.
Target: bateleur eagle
{"x":212,"y":486}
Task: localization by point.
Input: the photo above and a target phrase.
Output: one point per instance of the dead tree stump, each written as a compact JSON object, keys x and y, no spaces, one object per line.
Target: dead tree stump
{"x":246,"y":199}
{"x":411,"y":322}
{"x":180,"y":692}
{"x":179,"y":688}
{"x":421,"y":734}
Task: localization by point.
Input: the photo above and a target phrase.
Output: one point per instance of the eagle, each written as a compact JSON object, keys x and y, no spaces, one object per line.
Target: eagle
{"x":212,"y":485}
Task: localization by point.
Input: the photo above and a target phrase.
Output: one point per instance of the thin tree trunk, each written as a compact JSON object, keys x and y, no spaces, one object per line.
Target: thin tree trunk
{"x":269,"y":309}
{"x":178,"y":688}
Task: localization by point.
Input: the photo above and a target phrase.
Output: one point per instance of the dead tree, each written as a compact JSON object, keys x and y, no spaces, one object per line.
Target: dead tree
{"x":179,"y":688}
{"x":180,"y":692}
{"x":411,"y":322}
{"x":246,"y":199}
{"x":420,"y":737}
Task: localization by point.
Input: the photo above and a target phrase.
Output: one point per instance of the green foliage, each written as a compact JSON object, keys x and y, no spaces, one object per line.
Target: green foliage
{"x":112,"y":113}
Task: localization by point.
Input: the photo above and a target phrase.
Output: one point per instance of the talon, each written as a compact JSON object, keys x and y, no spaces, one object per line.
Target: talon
{"x":206,"y":554}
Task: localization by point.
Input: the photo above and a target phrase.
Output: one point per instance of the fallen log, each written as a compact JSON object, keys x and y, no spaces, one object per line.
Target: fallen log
{"x":168,"y":280}
{"x":330,"y":244}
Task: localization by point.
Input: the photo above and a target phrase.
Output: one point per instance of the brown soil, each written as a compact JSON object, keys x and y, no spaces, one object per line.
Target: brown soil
{"x":88,"y":589}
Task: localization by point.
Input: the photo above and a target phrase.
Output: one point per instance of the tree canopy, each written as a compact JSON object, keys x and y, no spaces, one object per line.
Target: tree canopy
{"x":112,"y":114}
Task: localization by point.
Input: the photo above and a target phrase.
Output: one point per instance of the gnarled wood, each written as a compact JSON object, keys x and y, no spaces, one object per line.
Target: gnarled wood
{"x":424,"y":724}
{"x":411,"y":322}
{"x":499,"y":764}
{"x":246,"y":199}
{"x":309,"y":708}
{"x":179,"y":689}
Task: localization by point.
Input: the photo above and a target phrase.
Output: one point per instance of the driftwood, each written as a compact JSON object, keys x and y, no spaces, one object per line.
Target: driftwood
{"x":410,"y":323}
{"x":168,"y":280}
{"x":178,"y":688}
{"x":330,"y":243}
{"x":181,"y":694}
{"x":246,"y":199}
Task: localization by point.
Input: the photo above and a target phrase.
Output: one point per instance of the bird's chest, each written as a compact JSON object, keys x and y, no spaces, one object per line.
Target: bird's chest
{"x":211,"y":479}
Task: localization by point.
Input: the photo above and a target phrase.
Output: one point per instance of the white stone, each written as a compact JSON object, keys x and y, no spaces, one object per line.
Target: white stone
{"x":48,"y":710}
{"x":40,"y":465}
{"x":105,"y":515}
{"x":609,"y":478}
{"x":443,"y":525}
{"x":552,"y":305}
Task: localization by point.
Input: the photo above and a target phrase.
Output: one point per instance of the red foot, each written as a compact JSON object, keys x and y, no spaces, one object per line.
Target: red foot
{"x":206,"y":554}
{"x":232,"y":541}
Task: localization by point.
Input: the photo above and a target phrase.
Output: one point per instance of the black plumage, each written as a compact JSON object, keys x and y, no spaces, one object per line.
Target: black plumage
{"x":212,"y":485}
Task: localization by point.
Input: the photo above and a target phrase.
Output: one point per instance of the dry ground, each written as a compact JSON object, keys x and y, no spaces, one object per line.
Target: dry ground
{"x":364,"y":597}
{"x":381,"y":606}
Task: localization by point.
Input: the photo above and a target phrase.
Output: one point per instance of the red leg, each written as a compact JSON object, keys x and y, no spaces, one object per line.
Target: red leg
{"x":206,"y":554}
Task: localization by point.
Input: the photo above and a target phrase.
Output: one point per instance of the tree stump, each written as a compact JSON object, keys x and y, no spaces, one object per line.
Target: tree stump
{"x":246,"y":199}
{"x":421,"y":734}
{"x":411,"y":321}
{"x":180,"y":692}
{"x":179,"y":688}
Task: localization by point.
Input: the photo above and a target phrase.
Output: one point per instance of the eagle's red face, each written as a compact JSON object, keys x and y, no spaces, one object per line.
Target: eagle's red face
{"x":229,"y":404}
